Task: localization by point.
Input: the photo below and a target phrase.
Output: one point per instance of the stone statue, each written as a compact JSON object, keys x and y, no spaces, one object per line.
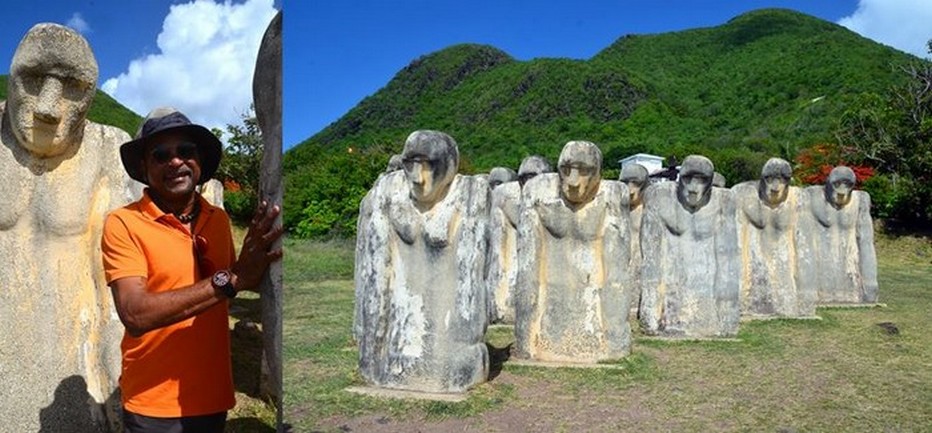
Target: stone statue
{"x":420,"y":298}
{"x":838,"y":239}
{"x":572,"y":297}
{"x":394,"y":164}
{"x":532,"y":166}
{"x":212,"y":191}
{"x":689,"y":276}
{"x":500,"y":175}
{"x":767,"y":213}
{"x":62,"y":174}
{"x":503,"y":234}
{"x":635,"y":176}
{"x":718,"y":180}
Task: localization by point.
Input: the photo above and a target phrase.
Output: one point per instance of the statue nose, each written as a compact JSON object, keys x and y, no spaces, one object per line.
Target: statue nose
{"x":49,"y":96}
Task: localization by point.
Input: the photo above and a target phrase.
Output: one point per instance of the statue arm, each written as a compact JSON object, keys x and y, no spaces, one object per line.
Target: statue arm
{"x":471,"y":250}
{"x":653,"y":241}
{"x":866,"y":254}
{"x":528,"y":281}
{"x":372,"y":268}
{"x":727,"y":284}
{"x":495,"y":271}
{"x":617,"y":290}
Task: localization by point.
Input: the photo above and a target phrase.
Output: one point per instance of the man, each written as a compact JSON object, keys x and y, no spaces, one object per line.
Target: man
{"x":170,"y":264}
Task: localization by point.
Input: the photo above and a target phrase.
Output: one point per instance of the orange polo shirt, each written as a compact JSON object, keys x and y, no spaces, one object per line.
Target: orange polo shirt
{"x":182,"y":369}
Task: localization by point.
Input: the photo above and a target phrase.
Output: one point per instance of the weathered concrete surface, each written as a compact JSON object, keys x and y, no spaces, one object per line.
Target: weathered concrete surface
{"x":406,"y":395}
{"x":503,"y":250}
{"x":837,"y":240}
{"x":420,"y":293}
{"x":267,"y":95}
{"x":689,"y":277}
{"x":769,"y":254}
{"x":212,"y":191}
{"x":60,"y":352}
{"x":572,"y":298}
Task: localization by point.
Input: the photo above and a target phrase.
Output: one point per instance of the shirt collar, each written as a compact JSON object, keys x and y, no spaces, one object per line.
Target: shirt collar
{"x":150,"y":209}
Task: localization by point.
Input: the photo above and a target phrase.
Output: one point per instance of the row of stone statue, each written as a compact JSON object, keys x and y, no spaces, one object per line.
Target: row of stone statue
{"x":567,"y":256}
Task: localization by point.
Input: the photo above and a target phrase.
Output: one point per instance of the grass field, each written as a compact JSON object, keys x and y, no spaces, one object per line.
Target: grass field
{"x":843,"y":373}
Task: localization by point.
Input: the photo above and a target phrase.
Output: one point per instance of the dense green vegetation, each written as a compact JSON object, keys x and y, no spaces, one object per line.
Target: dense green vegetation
{"x":104,"y":110}
{"x":767,"y":83}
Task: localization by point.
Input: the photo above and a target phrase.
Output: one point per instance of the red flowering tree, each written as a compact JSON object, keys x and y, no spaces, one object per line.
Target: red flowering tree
{"x":814,"y":163}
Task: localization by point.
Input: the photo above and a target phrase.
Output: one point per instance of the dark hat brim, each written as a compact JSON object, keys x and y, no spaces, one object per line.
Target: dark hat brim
{"x":209,"y":150}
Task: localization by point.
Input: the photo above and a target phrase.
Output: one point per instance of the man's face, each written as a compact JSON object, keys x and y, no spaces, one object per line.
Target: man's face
{"x":775,"y":189}
{"x":429,"y":176}
{"x":579,"y":181}
{"x":47,"y":107}
{"x":693,"y":189}
{"x":172,"y":166}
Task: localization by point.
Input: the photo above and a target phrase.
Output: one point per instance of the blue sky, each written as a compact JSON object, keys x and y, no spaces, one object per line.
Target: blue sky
{"x":339,"y":52}
{"x":199,"y":55}
{"x":196,"y":56}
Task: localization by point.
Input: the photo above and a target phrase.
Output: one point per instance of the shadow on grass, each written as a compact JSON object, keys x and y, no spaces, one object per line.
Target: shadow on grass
{"x":247,"y":425}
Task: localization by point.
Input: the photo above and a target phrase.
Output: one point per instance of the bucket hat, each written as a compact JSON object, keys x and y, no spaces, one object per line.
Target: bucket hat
{"x":161,"y":121}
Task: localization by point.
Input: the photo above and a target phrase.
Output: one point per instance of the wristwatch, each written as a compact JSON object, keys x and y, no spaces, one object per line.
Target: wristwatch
{"x":223,"y":281}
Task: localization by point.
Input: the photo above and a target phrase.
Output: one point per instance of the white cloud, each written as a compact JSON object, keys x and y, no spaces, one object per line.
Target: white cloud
{"x":902,"y":24}
{"x":207,"y":54}
{"x":77,"y":23}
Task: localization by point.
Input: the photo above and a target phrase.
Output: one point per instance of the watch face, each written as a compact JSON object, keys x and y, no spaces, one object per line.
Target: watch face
{"x":221,"y":278}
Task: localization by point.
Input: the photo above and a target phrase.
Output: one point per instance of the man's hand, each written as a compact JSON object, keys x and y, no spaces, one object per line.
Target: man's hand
{"x":256,"y":254}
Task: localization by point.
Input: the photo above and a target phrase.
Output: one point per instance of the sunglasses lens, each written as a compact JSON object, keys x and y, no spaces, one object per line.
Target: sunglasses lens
{"x":187,"y":150}
{"x":161,"y":155}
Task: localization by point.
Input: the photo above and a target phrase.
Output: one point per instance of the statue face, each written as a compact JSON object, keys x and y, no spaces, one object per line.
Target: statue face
{"x":580,"y":169}
{"x":579,"y":181}
{"x":531,"y":167}
{"x":51,"y":87}
{"x":634,"y":188}
{"x":774,"y":189}
{"x":840,"y":192}
{"x":428,"y":177}
{"x":694,"y":189}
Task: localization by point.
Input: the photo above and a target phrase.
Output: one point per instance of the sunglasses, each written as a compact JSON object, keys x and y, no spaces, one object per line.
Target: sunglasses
{"x":185,"y":151}
{"x":205,"y":267}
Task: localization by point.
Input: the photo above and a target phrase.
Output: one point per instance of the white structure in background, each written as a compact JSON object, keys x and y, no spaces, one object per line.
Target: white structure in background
{"x":652,"y":163}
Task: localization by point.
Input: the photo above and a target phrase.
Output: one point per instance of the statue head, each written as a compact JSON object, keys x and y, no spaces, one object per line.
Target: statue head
{"x":500,"y":175}
{"x":774,"y":181}
{"x":430,"y":160}
{"x":635,"y":176}
{"x":718,"y":180}
{"x":394,"y":164}
{"x":53,"y":80}
{"x":839,"y":185}
{"x":694,"y":188}
{"x":580,"y":168}
{"x":532,"y":166}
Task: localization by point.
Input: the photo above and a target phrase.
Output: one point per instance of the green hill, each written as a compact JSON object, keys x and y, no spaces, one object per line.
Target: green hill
{"x":766,"y":83}
{"x":104,"y":110}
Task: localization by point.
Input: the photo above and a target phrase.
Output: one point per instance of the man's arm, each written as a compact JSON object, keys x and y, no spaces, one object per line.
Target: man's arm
{"x":142,"y":311}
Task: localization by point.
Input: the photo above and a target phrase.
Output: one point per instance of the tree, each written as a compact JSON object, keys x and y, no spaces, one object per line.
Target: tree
{"x":893,"y":134}
{"x":239,"y":168}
